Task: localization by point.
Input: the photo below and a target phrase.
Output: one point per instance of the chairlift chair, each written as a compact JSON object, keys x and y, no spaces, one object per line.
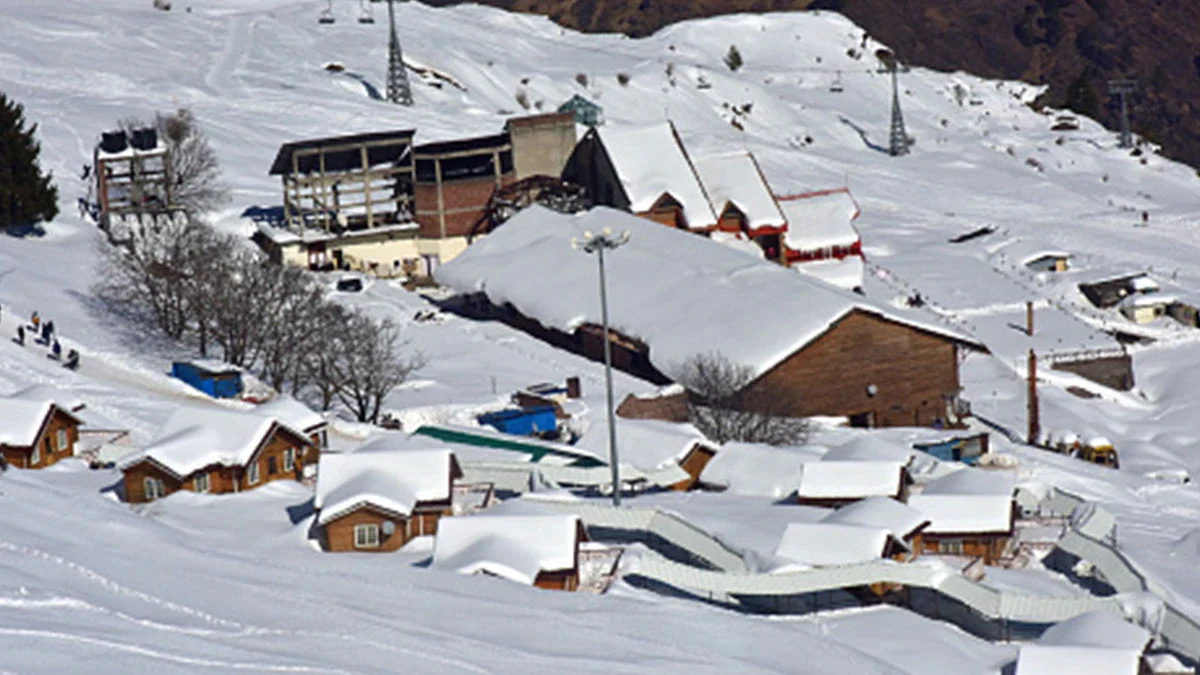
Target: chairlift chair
{"x":365,"y":15}
{"x":836,"y":87}
{"x":326,"y":17}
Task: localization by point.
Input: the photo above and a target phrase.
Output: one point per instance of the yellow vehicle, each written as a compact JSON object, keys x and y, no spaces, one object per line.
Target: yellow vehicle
{"x":1098,"y":450}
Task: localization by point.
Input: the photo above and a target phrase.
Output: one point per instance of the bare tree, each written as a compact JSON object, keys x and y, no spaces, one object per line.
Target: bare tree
{"x":727,"y":404}
{"x":368,"y":365}
{"x":196,"y":184}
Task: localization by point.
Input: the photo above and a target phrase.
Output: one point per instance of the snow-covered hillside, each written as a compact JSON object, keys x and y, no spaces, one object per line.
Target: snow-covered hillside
{"x":213,"y":583}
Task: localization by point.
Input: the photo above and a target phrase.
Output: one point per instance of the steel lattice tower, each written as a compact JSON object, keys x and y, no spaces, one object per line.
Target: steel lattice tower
{"x":898,"y":142}
{"x":398,"y":90}
{"x":1122,"y":88}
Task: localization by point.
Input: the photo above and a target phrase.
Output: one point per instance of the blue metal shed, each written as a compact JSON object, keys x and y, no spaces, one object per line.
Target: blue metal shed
{"x":522,"y":422}
{"x":216,"y":380}
{"x":965,"y":449}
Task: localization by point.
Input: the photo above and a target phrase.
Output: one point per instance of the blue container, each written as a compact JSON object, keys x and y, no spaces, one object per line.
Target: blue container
{"x":223,"y":382}
{"x":522,"y":422}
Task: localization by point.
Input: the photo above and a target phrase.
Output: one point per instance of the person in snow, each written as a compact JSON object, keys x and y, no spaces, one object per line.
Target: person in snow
{"x":56,"y":350}
{"x":35,"y":320}
{"x":47,"y":331}
{"x":72,"y":362}
{"x":20,"y":336}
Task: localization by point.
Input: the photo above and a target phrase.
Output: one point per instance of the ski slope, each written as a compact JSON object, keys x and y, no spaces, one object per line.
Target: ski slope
{"x":199,"y":583}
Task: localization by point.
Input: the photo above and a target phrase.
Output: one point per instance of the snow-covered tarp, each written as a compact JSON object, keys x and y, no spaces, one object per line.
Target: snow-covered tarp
{"x":516,"y":547}
{"x":655,"y":282}
{"x":391,"y":479}
{"x":819,"y":220}
{"x":650,"y":161}
{"x":734,"y":178}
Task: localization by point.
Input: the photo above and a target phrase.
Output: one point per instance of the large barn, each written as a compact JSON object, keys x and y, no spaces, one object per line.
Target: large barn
{"x":829,"y":351}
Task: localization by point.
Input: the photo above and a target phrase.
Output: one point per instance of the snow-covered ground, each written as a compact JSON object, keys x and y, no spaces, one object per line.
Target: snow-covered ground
{"x":223,"y":583}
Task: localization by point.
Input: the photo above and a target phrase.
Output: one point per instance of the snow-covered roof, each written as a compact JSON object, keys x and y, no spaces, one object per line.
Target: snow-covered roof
{"x":850,"y":480}
{"x":293,"y":412}
{"x":1052,"y":660}
{"x":653,"y":280}
{"x":882,"y":512}
{"x":514,"y":547}
{"x":649,"y":161}
{"x":21,"y":420}
{"x":844,"y":273}
{"x":826,"y":543}
{"x":869,"y":448}
{"x":213,"y":366}
{"x":1025,"y":251}
{"x":646,"y":444}
{"x":1096,"y":629}
{"x":194,"y":438}
{"x":959,"y":513}
{"x":376,"y":474}
{"x":1150,"y":299}
{"x":818,"y":220}
{"x":1143,"y":284}
{"x":735,"y":178}
{"x":969,"y":481}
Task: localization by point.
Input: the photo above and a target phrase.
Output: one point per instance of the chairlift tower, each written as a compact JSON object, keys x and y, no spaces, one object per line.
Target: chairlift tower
{"x":898,"y":140}
{"x":398,"y":90}
{"x":1122,"y":88}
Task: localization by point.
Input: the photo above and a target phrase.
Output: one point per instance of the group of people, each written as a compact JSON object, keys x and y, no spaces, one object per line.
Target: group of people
{"x":43,"y":332}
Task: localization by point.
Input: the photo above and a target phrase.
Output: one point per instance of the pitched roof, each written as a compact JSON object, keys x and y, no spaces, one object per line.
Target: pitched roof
{"x":653,"y":280}
{"x":849,"y":480}
{"x":377,"y":474}
{"x":514,"y":547}
{"x":969,"y":481}
{"x":69,"y":403}
{"x":869,"y":448}
{"x":964,"y":513}
{"x":194,"y":438}
{"x":649,"y":161}
{"x":646,"y":444}
{"x":880,"y":512}
{"x":819,"y":220}
{"x":21,"y":420}
{"x":735,"y":178}
{"x":293,"y":413}
{"x":825,"y":543}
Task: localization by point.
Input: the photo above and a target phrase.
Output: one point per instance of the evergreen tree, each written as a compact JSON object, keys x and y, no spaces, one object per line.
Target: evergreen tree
{"x":26,"y":194}
{"x":733,"y":58}
{"x":1082,"y":97}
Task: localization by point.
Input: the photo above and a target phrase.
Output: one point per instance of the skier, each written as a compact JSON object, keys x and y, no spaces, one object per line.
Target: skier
{"x":56,"y":351}
{"x":20,"y":336}
{"x":72,"y":362}
{"x":35,"y":320}
{"x":47,"y":330}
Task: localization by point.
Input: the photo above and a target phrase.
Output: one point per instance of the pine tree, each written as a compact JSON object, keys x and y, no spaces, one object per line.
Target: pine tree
{"x":27,"y":196}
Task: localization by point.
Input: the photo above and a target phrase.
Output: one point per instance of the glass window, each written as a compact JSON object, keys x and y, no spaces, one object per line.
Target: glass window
{"x":252,"y":473}
{"x":201,"y":483}
{"x":366,"y":536}
{"x":153,"y":487}
{"x":289,"y":459}
{"x":62,"y":440}
{"x":272,"y":466}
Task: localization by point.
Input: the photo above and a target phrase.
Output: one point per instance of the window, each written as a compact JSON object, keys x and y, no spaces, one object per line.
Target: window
{"x":252,"y":473}
{"x":950,"y":546}
{"x":154,"y":488}
{"x":272,"y":466}
{"x":62,"y":440}
{"x":201,"y":482}
{"x":35,"y":457}
{"x":289,"y":459}
{"x":366,"y":536}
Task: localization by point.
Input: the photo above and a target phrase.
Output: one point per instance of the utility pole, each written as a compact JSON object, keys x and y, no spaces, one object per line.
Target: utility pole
{"x":398,"y":90}
{"x":898,"y":141}
{"x":1034,"y":417}
{"x":597,"y":244}
{"x":1122,"y":88}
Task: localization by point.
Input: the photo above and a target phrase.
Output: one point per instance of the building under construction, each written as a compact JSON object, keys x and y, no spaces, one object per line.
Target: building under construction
{"x":132,"y":172}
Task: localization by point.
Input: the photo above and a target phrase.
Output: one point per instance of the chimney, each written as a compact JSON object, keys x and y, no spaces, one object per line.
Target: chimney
{"x":574,"y":390}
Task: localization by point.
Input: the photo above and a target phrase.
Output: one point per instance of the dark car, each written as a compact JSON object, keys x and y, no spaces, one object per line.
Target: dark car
{"x":350,"y":285}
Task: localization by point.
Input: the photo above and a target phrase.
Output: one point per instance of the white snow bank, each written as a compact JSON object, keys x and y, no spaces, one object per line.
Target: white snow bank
{"x":514,"y":547}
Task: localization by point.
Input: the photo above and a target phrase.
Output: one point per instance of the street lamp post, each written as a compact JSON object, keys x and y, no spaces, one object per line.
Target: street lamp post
{"x":598,"y":244}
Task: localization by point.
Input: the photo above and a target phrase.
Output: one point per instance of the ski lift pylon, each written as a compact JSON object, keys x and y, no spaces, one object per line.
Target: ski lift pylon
{"x":365,"y":15}
{"x":326,"y":16}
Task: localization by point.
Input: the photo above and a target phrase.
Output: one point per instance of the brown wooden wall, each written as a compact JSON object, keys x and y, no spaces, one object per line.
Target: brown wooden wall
{"x":135,"y":489}
{"x":47,"y":441}
{"x":693,"y":463}
{"x":338,"y":535}
{"x":559,"y":580}
{"x":986,"y":546}
{"x":912,"y":370}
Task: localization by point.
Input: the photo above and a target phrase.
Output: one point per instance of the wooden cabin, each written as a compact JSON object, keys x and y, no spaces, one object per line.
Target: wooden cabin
{"x":971,"y":514}
{"x":643,"y":170}
{"x":821,"y":238}
{"x":216,"y":451}
{"x":819,"y":349}
{"x":35,"y":434}
{"x":836,"y":483}
{"x":537,"y":550}
{"x":904,"y":524}
{"x":745,"y":206}
{"x":378,"y":498}
{"x":298,"y":416}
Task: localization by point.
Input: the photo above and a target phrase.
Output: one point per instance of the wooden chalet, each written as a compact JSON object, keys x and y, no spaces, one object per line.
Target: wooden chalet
{"x":216,"y":451}
{"x":537,"y":550}
{"x":836,"y":483}
{"x":824,"y":350}
{"x":93,"y":429}
{"x":970,"y":513}
{"x":904,"y":524}
{"x":298,"y":416}
{"x":378,"y":498}
{"x":745,"y":207}
{"x":36,"y":433}
{"x":821,"y":239}
{"x":643,"y":170}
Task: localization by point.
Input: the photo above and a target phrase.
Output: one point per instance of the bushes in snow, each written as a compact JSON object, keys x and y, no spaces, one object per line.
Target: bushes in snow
{"x":189,"y":281}
{"x":623,"y":79}
{"x":733,"y":58}
{"x":196,"y":185}
{"x":726,"y":404}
